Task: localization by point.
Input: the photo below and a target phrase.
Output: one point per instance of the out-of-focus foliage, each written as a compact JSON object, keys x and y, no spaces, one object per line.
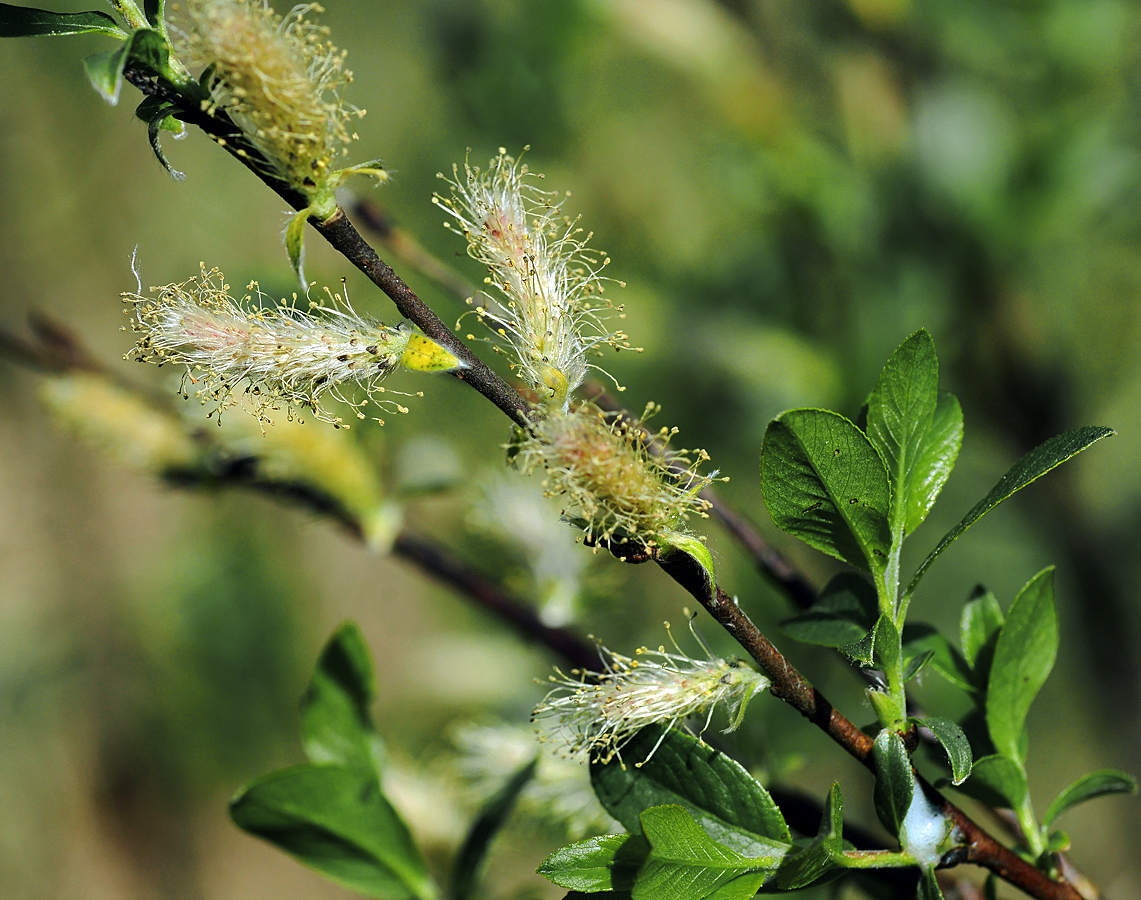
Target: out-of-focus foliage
{"x":788,"y":190}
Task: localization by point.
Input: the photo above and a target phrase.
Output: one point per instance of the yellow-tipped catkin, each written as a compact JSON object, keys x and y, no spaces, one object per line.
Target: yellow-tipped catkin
{"x":613,"y":487}
{"x":551,"y":314}
{"x":594,"y":716}
{"x":266,"y":358}
{"x":279,"y":79}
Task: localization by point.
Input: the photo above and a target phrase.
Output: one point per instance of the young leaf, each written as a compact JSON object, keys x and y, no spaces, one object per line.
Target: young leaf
{"x":935,"y":460}
{"x":153,"y":9}
{"x":895,"y":782}
{"x":928,"y":887}
{"x":886,"y":647}
{"x":916,"y":663}
{"x":727,"y":801}
{"x":844,"y":613}
{"x":1042,"y":459}
{"x":825,"y":483}
{"x":955,"y":742}
{"x":920,"y":640}
{"x":900,"y":409}
{"x":605,"y":863}
{"x":686,"y":864}
{"x":22,"y":21}
{"x":684,"y":549}
{"x":465,"y":873}
{"x":978,"y":630}
{"x":336,"y":722}
{"x":1023,"y":657}
{"x":1095,"y":784}
{"x":162,"y":120}
{"x":295,"y":243}
{"x":823,"y":855}
{"x":105,"y":72}
{"x":997,"y":781}
{"x":337,"y":821}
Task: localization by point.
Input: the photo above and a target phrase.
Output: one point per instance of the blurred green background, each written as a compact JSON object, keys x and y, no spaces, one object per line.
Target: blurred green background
{"x":788,"y":190}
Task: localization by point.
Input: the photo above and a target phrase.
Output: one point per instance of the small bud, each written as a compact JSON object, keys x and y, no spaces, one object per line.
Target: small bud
{"x":596,"y":719}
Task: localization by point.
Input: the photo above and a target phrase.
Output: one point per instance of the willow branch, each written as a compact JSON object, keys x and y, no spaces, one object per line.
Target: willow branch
{"x":787,"y":683}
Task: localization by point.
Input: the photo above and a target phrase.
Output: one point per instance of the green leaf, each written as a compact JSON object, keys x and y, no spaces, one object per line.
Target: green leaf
{"x":465,"y":873}
{"x":1042,"y":459}
{"x":825,"y":483}
{"x":295,"y":244}
{"x":928,"y":888}
{"x":146,"y":49}
{"x":955,"y":742}
{"x":1023,"y":657}
{"x":153,"y":9}
{"x":597,"y":864}
{"x":674,"y":542}
{"x":105,"y":72}
{"x":825,"y":854}
{"x":23,"y":21}
{"x":845,"y":611}
{"x":920,"y":640}
{"x":978,"y":630}
{"x":915,"y":664}
{"x":1095,"y":784}
{"x":337,"y":821}
{"x":996,"y":780}
{"x":936,"y":459}
{"x":686,"y":864}
{"x":161,"y":120}
{"x":895,"y":782}
{"x":336,"y":722}
{"x":726,"y":801}
{"x":900,"y":409}
{"x":606,"y":895}
{"x":887,"y":650}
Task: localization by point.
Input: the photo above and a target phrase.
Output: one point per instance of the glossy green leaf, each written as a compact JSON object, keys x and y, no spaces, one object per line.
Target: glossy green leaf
{"x":920,"y":640}
{"x":825,"y":483}
{"x":23,"y":21}
{"x":150,"y":51}
{"x":895,"y":782}
{"x":1024,"y":654}
{"x":337,"y":821}
{"x":936,"y":458}
{"x":1095,"y":784}
{"x":1045,"y":457}
{"x":726,"y":801}
{"x":605,"y":863}
{"x":465,"y":871}
{"x":900,"y":409}
{"x":295,"y":244}
{"x":823,"y":855}
{"x":979,"y":625}
{"x":954,"y":742}
{"x":685,"y":863}
{"x":845,"y":611}
{"x":996,"y":780}
{"x":336,"y":721}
